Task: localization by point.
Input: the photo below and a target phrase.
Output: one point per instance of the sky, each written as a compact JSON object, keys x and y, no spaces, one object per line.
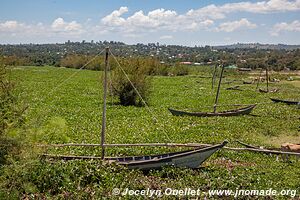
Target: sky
{"x":181,"y":22}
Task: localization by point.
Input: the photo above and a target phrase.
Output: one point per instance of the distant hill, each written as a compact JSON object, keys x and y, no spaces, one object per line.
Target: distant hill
{"x":258,"y":46}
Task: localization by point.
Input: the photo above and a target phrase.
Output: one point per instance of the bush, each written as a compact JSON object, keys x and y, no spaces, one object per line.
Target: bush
{"x":122,"y":87}
{"x":180,"y":70}
{"x":89,"y":62}
{"x":11,"y":115}
{"x":76,"y":179}
{"x":74,"y":61}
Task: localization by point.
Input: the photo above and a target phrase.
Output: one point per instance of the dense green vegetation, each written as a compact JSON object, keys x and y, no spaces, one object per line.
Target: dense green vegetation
{"x":11,"y":116}
{"x":71,"y":112}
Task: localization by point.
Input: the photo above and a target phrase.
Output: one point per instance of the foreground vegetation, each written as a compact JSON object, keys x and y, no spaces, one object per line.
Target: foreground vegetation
{"x":71,"y":112}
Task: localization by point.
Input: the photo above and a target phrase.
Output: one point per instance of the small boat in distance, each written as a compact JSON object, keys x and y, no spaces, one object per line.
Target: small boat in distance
{"x":240,"y":111}
{"x":288,"y":102}
{"x":267,"y":79}
{"x":268,"y":90}
{"x":237,"y":87}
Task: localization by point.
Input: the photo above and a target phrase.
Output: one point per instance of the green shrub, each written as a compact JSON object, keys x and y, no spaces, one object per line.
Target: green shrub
{"x":180,"y":70}
{"x":11,"y":110}
{"x":86,"y":62}
{"x":11,"y":115}
{"x":122,"y":87}
{"x":55,"y":131}
{"x":61,"y":180}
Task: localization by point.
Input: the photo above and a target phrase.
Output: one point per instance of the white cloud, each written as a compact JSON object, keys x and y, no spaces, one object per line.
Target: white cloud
{"x":12,"y":26}
{"x":60,"y":25}
{"x":58,"y":28}
{"x":207,"y":12}
{"x":166,"y":37}
{"x":281,"y":27}
{"x":9,"y":24}
{"x":152,"y":21}
{"x":202,"y":18}
{"x":219,"y":12}
{"x":114,"y":18}
{"x":236,"y":25}
{"x":141,"y":23}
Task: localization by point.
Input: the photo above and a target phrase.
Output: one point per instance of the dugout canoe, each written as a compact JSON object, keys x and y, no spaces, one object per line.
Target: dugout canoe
{"x":183,"y":159}
{"x":288,"y":102}
{"x":237,"y":87}
{"x":268,"y":91}
{"x":236,"y":112}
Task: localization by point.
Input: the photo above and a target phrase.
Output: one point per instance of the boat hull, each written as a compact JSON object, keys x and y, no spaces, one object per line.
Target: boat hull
{"x":185,"y":159}
{"x":241,"y":111}
{"x":268,"y":91}
{"x":284,"y":101}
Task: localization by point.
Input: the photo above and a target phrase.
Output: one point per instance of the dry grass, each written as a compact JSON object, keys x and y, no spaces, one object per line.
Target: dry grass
{"x":281,"y":139}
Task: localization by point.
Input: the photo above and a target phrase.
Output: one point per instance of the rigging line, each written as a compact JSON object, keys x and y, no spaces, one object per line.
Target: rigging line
{"x":149,"y":110}
{"x":110,"y":84}
{"x":138,"y":93}
{"x":76,"y":72}
{"x":45,"y":111}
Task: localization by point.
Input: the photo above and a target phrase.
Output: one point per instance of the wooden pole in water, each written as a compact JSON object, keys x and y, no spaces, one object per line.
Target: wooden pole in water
{"x":259,"y":78}
{"x":104,"y":104}
{"x":267,"y":77}
{"x":218,"y":91}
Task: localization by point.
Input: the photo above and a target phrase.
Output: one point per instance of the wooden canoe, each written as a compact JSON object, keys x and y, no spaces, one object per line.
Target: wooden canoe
{"x":237,"y":87}
{"x":284,"y":101}
{"x":186,"y":159}
{"x":240,"y":111}
{"x":247,"y":82}
{"x":270,"y":91}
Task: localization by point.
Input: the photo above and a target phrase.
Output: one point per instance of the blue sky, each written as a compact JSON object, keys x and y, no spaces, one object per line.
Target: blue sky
{"x":184,"y":22}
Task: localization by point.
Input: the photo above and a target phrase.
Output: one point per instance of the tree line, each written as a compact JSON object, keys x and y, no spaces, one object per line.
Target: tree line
{"x":76,"y":54}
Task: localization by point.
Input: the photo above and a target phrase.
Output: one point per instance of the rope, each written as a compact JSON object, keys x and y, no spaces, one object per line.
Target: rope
{"x":135,"y":89}
{"x":72,"y":75}
{"x":44,"y":112}
{"x":110,"y":84}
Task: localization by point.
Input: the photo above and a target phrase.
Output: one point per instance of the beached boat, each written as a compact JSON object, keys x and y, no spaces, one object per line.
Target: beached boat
{"x":240,"y":111}
{"x":288,"y":102}
{"x":227,"y":113}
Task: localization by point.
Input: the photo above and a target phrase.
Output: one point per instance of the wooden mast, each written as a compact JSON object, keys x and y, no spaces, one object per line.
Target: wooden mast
{"x":267,"y":77}
{"x":259,"y":78}
{"x":104,"y":104}
{"x":218,"y":91}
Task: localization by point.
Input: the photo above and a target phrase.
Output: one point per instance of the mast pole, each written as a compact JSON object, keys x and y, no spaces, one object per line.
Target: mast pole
{"x":104,"y":104}
{"x":218,"y":91}
{"x":267,"y":77}
{"x":259,"y":78}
